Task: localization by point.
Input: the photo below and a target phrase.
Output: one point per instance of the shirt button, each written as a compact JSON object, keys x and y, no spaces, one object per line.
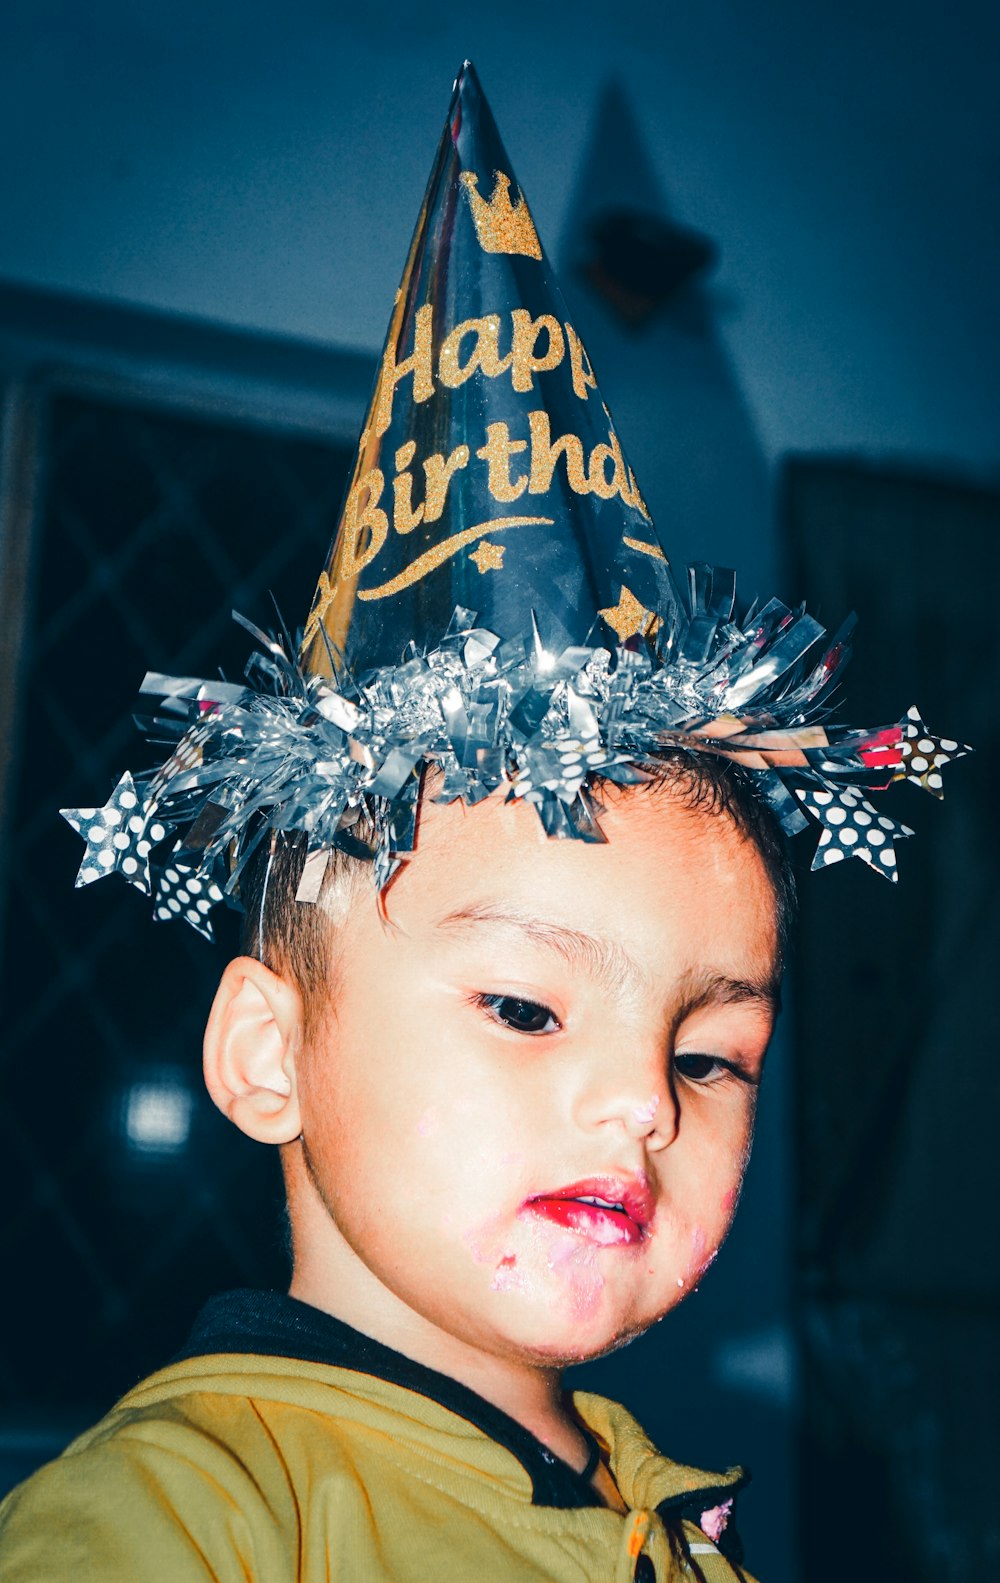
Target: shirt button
{"x":645,"y":1572}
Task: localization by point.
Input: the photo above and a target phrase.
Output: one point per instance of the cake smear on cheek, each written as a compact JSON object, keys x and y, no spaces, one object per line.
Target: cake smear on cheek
{"x":701,"y":1255}
{"x":535,"y":1257}
{"x":507,"y":1277}
{"x":573,"y":1261}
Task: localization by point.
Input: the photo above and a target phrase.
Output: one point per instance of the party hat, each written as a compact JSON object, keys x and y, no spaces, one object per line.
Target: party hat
{"x":489,"y":475}
{"x":497,"y":604}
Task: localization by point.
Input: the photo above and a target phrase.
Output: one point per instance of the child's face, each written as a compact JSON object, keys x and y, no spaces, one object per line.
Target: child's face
{"x":541,"y":1022}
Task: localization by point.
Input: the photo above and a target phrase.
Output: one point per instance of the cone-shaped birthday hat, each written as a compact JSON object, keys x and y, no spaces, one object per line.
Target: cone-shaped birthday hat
{"x":497,"y":604}
{"x":489,"y":475}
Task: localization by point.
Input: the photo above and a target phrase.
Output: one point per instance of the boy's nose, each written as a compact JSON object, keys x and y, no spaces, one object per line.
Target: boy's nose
{"x":641,"y":1104}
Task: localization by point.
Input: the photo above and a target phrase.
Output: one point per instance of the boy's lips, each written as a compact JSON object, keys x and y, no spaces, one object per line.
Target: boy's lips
{"x":609,"y":1209}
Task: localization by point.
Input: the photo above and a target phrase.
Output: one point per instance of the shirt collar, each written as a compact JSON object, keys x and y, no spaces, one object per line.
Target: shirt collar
{"x":271,"y":1324}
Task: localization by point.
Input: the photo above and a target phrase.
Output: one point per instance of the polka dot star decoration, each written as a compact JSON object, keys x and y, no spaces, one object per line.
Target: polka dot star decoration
{"x":119,"y":836}
{"x":852,"y":828}
{"x":183,"y":893}
{"x":925,"y":756}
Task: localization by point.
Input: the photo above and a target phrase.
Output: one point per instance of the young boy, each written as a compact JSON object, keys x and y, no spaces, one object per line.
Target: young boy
{"x":513,"y":1080}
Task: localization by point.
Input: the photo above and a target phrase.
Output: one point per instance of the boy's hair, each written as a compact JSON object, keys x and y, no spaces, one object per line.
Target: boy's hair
{"x":298,"y":937}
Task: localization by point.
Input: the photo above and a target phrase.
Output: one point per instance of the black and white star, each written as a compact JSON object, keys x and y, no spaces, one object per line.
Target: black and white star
{"x":924,"y":755}
{"x":119,"y":836}
{"x":852,"y":828}
{"x":185,"y":892}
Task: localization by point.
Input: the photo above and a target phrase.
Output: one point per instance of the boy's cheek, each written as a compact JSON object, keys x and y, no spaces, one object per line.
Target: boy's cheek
{"x":716,"y":1152}
{"x":558,"y":1273}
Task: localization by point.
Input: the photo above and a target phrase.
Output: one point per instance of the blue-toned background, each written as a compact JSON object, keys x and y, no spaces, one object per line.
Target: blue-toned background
{"x":204,"y":212}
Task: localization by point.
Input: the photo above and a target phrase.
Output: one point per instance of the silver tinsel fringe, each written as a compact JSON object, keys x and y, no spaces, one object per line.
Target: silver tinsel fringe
{"x":289,"y":752}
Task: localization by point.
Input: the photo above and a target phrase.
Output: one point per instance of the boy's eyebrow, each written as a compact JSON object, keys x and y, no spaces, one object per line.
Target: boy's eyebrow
{"x":718,"y":989}
{"x":606,"y":959}
{"x":612,"y":964}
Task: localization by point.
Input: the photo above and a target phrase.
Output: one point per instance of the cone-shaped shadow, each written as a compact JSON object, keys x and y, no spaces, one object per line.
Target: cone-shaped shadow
{"x":489,"y":474}
{"x":675,"y":392}
{"x":623,"y":240}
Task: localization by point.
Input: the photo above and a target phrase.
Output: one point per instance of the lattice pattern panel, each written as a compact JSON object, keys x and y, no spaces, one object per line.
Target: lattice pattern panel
{"x":127,"y":1199}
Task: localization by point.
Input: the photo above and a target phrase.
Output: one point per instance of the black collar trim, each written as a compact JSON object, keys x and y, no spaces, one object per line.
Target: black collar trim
{"x":273,"y":1325}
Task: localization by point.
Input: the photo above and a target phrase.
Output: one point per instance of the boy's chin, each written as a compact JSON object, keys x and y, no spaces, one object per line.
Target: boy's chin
{"x":559,"y":1344}
{"x":568,"y":1357}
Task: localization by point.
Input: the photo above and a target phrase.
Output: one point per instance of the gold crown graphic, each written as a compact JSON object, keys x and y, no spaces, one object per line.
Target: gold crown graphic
{"x":501,"y":226}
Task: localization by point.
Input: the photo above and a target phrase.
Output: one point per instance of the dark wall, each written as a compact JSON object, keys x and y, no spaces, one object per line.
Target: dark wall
{"x":897,"y":1244}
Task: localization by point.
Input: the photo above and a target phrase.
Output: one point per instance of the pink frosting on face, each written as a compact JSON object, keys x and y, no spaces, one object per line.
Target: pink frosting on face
{"x":644,"y":1114}
{"x":713,"y":1522}
{"x":507,"y":1277}
{"x":701,"y":1255}
{"x":573,"y":1261}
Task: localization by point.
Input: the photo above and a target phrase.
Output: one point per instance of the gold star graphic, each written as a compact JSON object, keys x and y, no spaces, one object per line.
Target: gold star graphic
{"x":488,"y":557}
{"x":628,"y":617}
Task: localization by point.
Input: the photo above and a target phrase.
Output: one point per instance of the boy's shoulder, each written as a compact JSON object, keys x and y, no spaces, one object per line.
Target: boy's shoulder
{"x":259,"y":1463}
{"x":174,"y":1484}
{"x":216,"y":1468}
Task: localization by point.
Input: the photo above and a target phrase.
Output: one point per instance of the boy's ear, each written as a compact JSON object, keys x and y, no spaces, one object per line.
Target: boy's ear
{"x":253,"y":1036}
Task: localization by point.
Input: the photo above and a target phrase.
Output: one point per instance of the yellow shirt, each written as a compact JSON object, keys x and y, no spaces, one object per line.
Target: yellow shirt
{"x":243,"y":1467}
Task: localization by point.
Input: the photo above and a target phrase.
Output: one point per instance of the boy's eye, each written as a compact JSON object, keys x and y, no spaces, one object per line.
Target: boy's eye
{"x":700,"y":1068}
{"x":523,"y":1016}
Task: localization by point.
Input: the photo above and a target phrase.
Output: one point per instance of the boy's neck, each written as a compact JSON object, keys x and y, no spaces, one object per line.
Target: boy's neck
{"x":529,"y":1394}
